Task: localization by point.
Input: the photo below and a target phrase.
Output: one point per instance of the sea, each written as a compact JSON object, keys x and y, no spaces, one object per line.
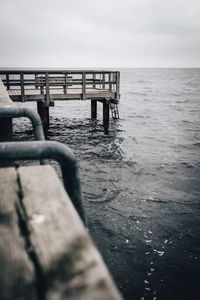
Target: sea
{"x":141,"y":181}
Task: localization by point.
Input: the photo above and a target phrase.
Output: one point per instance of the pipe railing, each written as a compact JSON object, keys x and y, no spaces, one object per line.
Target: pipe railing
{"x":49,"y":150}
{"x":18,"y":112}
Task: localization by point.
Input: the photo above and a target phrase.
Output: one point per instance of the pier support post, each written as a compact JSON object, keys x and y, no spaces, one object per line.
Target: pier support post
{"x":43,"y":111}
{"x":106,"y":114}
{"x":6,"y":129}
{"x":93,"y":109}
{"x":5,"y":136}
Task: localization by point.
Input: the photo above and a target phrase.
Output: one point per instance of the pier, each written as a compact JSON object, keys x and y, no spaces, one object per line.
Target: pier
{"x":46,"y":251}
{"x":47,"y":86}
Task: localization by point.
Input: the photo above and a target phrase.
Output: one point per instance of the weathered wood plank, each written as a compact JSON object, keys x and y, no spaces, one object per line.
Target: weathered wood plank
{"x":17,"y":276}
{"x":70,"y":263}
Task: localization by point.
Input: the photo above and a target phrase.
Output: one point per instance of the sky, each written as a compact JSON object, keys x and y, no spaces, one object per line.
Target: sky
{"x":99,"y":33}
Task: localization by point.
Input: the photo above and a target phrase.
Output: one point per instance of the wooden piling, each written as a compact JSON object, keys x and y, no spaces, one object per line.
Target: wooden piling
{"x":93,"y":109}
{"x":106,"y":114}
{"x":43,"y":111}
{"x":41,"y":90}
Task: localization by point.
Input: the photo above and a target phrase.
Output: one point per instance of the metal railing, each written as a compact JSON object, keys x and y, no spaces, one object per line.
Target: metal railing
{"x":50,"y":150}
{"x":18,"y":112}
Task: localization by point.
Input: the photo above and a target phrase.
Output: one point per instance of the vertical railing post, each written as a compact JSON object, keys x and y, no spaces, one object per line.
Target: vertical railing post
{"x":117,"y":85}
{"x":110,"y":80}
{"x":101,"y":79}
{"x":47,"y":89}
{"x":94,"y":76}
{"x":7,"y":82}
{"x":104,"y":78}
{"x":22,"y":87}
{"x":36,"y":81}
{"x":65,"y":86}
{"x":83,"y":86}
{"x":40,"y":81}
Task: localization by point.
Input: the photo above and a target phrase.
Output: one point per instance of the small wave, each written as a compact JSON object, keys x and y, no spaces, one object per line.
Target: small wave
{"x":187,"y":165}
{"x":136,"y":93}
{"x":186,"y":121}
{"x":142,"y":116}
{"x":156,"y":200}
{"x":106,"y":199}
{"x":175,"y":94}
{"x":196,"y":144}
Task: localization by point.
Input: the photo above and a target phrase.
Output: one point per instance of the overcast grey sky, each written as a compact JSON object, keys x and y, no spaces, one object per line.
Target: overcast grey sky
{"x":99,"y":33}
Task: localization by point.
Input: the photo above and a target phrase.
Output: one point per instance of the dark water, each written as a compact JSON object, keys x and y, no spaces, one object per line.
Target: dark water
{"x":141,"y":182}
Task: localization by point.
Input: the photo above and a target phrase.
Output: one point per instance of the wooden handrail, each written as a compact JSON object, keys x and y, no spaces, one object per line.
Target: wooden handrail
{"x":43,"y":71}
{"x":47,"y":80}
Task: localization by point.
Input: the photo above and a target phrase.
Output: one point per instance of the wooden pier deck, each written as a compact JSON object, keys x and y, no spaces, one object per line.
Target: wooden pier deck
{"x":47,"y":86}
{"x":58,"y":94}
